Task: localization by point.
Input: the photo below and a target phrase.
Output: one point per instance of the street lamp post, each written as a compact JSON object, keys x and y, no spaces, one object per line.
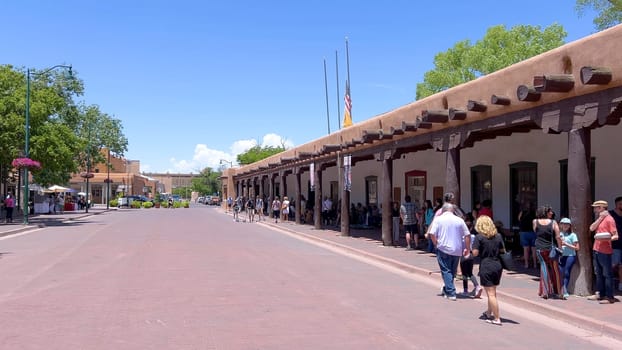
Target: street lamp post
{"x":30,"y":72}
{"x":224,"y":161}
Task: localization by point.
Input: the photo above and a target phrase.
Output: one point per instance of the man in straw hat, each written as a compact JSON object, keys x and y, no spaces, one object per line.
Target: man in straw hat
{"x":602,"y":252}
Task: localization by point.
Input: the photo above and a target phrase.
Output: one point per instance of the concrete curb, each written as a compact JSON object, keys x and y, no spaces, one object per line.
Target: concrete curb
{"x":599,"y":326}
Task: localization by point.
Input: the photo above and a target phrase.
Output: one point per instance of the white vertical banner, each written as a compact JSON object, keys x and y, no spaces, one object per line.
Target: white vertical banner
{"x":312,"y":175}
{"x":347,"y":172}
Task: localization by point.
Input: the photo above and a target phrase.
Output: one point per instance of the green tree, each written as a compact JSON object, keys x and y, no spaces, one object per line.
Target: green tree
{"x":498,"y":49}
{"x":258,"y":153}
{"x":207,"y":182}
{"x":609,"y":12}
{"x":51,"y":143}
{"x":96,"y":131}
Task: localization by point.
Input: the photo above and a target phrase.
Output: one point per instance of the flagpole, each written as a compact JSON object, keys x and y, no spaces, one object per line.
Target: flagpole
{"x":348,"y":68}
{"x":338,"y":95}
{"x":326,"y":92}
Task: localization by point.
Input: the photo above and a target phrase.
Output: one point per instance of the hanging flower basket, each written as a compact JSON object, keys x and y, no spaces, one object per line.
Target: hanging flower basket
{"x":86,"y":175}
{"x":20,"y":163}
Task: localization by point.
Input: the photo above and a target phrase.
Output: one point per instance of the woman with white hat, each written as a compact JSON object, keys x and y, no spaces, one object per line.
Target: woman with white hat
{"x":570,"y":247}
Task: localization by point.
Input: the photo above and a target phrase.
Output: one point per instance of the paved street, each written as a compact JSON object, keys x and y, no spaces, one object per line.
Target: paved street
{"x":194,"y":279}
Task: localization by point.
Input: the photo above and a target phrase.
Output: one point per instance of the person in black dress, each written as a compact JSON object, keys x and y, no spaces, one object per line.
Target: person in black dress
{"x":488,"y":245}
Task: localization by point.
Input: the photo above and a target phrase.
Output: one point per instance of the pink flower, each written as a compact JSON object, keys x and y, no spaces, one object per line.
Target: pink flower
{"x":25,"y":163}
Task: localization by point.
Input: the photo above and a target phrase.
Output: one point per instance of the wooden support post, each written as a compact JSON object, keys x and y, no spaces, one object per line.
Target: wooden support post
{"x":500,"y":100}
{"x":345,"y":201}
{"x":596,"y":75}
{"x":457,"y":114}
{"x":297,"y":207}
{"x":387,"y":193}
{"x":435,"y":116}
{"x":527,"y":93}
{"x":282,"y":185}
{"x":579,"y":203}
{"x":452,"y":174}
{"x":476,"y":106}
{"x":553,"y":83}
{"x":317,"y":208}
{"x":272,"y":194}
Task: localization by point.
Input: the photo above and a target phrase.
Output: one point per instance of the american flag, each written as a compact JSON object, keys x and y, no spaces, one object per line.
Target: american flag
{"x":347,"y":115}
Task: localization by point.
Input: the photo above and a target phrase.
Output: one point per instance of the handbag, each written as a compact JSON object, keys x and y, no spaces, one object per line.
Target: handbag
{"x":507,"y":262}
{"x":555,"y":252}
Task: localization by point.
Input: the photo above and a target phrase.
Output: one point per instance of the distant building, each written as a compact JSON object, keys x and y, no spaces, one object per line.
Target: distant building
{"x":170,"y":181}
{"x":124,"y":178}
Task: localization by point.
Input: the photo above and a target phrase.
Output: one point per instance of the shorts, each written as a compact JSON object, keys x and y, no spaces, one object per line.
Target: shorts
{"x":528,"y":239}
{"x":414,"y":229}
{"x":616,"y":257}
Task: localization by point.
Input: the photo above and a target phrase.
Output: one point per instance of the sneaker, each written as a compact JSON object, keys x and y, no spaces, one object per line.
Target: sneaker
{"x":409,"y":248}
{"x":565,"y":296}
{"x":594,"y":297}
{"x":452,"y":298}
{"x":478,"y":292}
{"x":607,"y":301}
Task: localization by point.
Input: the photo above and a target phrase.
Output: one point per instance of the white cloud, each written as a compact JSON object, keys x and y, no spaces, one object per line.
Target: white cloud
{"x":276,"y":140}
{"x":205,"y":157}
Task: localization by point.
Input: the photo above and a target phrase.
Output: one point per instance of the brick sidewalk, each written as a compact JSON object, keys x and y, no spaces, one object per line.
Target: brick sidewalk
{"x":42,"y":220}
{"x":519,"y":288}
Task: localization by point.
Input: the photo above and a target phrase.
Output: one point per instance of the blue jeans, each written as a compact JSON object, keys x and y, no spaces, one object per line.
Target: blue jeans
{"x":449,"y":265}
{"x":604,"y":274}
{"x":565,"y":266}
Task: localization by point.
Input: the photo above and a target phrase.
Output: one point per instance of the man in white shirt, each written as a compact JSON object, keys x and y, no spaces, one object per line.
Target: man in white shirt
{"x":327,"y":206}
{"x":447,"y":232}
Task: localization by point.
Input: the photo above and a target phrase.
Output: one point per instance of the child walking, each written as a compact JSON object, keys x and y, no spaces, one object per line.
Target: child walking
{"x":466,"y":265}
{"x":570,"y":246}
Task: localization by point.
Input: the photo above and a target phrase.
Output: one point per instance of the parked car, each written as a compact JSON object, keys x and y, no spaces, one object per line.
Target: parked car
{"x":201,"y":200}
{"x":215,"y":200}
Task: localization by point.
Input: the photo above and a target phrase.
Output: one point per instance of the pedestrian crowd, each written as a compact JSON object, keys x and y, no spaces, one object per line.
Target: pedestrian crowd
{"x":457,"y":238}
{"x":460,"y":239}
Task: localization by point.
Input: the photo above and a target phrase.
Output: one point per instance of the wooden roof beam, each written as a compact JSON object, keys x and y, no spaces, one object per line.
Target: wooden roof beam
{"x":385,"y":135}
{"x":396,"y":131}
{"x":330,"y":148}
{"x":476,"y":106}
{"x":527,"y":93}
{"x":406,"y":126}
{"x":553,"y":83}
{"x":436,"y":116}
{"x":500,"y":100}
{"x":596,"y":75}
{"x":304,"y":155}
{"x":421,"y":124}
{"x":457,"y":114}
{"x":370,"y":136}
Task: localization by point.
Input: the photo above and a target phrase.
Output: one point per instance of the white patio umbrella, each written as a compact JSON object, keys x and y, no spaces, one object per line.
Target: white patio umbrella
{"x":58,"y":189}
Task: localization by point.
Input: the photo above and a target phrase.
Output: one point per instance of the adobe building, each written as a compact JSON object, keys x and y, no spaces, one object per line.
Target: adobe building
{"x":544,"y":131}
{"x":124,"y":178}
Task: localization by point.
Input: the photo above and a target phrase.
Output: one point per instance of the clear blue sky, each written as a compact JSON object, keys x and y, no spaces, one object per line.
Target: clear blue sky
{"x":199,"y":81}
